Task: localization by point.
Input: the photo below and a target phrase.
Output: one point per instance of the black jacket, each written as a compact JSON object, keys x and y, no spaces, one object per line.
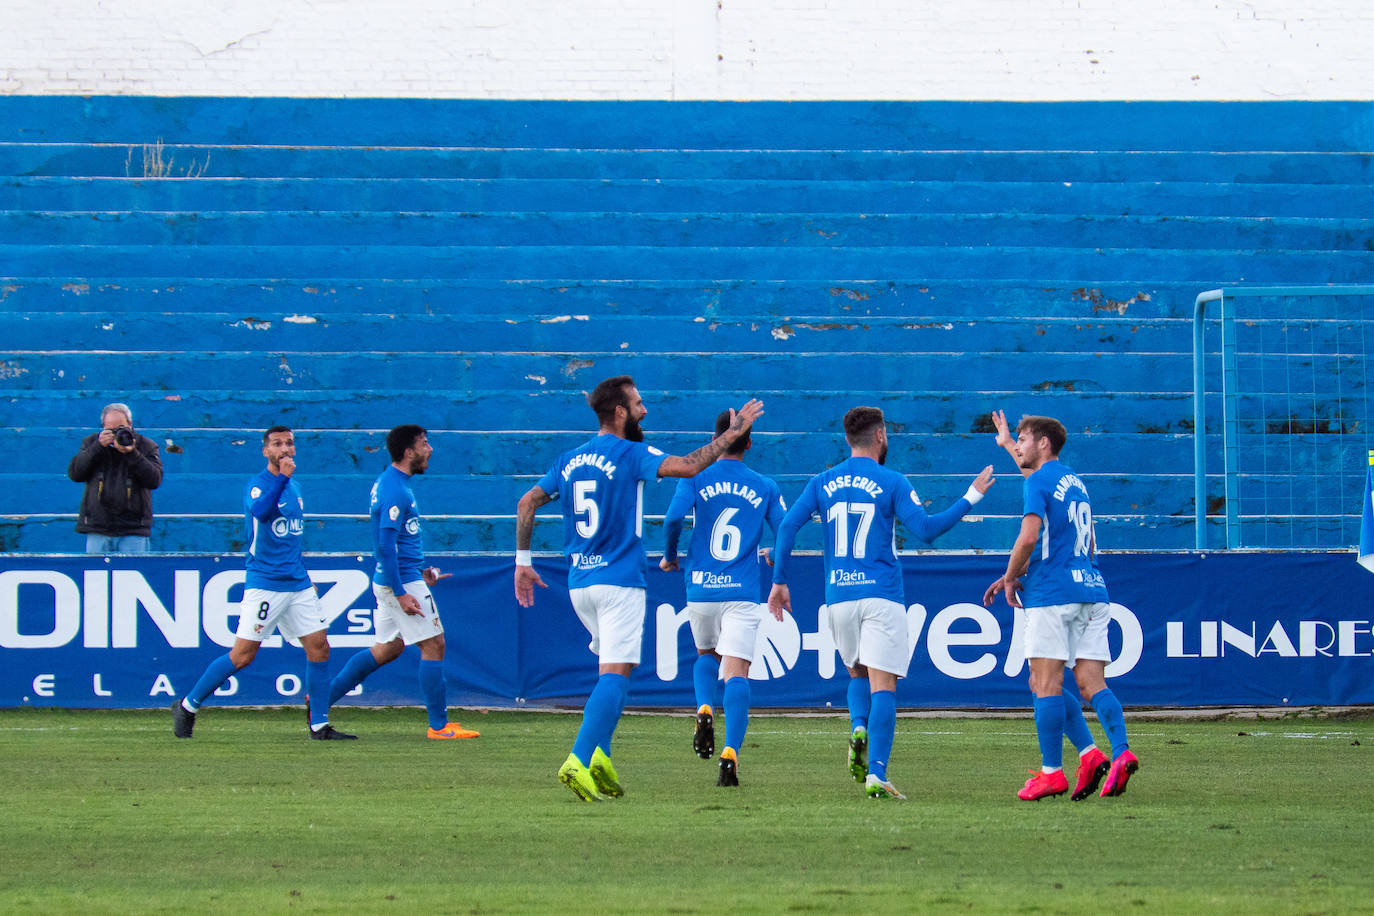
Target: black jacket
{"x":117,"y":501}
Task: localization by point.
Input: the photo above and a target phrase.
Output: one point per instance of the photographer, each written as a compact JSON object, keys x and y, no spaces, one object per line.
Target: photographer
{"x":119,"y":467}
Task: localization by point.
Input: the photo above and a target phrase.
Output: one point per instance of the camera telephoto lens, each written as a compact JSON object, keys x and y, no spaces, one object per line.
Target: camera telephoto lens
{"x":124,"y":436}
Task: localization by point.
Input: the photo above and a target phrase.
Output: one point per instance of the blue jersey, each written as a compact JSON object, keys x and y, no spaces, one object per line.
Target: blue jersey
{"x":1061,"y":568}
{"x":601,"y":484}
{"x":273,"y":523}
{"x":858,"y":502}
{"x":395,"y":522}
{"x":731,"y":504}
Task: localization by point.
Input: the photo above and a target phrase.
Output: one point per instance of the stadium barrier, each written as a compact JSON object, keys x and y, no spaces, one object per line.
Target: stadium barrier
{"x":1189,"y":629}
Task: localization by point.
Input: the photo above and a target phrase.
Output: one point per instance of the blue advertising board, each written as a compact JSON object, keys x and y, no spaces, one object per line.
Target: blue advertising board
{"x":1189,"y":629}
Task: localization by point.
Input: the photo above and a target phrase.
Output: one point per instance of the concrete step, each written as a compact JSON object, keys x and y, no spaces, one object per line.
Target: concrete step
{"x":1024,"y":230}
{"x":837,"y":194}
{"x":1207,"y":268}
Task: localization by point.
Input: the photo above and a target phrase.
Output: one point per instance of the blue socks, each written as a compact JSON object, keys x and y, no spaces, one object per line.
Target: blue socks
{"x":435,"y":691}
{"x":882,"y":729}
{"x":354,"y":671}
{"x":216,"y":673}
{"x":1075,"y":725}
{"x":736,"y":711}
{"x":859,"y":699}
{"x":600,"y":716}
{"x":1113,"y":720}
{"x":1049,"y":728}
{"x":317,"y":686}
{"x":704,"y":675}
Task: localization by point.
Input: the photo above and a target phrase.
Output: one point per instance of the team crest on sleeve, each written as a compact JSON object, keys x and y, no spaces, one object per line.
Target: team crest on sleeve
{"x":255,"y":492}
{"x":394,"y":512}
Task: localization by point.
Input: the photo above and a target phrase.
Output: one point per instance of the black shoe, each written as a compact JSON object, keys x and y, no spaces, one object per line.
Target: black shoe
{"x":729,"y":770}
{"x":183,"y":721}
{"x":330,"y":733}
{"x":704,"y":738}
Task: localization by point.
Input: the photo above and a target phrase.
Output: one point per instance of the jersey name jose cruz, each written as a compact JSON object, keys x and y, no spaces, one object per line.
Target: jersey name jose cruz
{"x":731,"y":503}
{"x":1061,"y":568}
{"x":393,"y":508}
{"x":858,"y":502}
{"x":601,"y":486}
{"x":274,"y":534}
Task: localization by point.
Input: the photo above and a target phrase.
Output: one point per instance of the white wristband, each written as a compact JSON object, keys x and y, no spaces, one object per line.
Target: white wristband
{"x":523,"y":558}
{"x":973,"y":496}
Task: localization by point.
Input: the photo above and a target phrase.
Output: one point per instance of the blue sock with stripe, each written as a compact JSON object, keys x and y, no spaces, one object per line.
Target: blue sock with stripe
{"x":1113,"y":720}
{"x":882,"y":731}
{"x":317,"y":685}
{"x":353,"y":673}
{"x":1049,"y":729}
{"x":1075,"y":725}
{"x":859,"y":699}
{"x":600,"y":716}
{"x":736,"y":711}
{"x":216,"y":673}
{"x":435,"y":691}
{"x":704,"y":675}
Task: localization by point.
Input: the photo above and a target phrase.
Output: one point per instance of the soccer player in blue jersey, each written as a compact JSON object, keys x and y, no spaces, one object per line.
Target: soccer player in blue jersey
{"x":1065,"y":599}
{"x":858,"y":501}
{"x":406,"y":613}
{"x":277,"y":591}
{"x":730,"y":504}
{"x":601,"y":485}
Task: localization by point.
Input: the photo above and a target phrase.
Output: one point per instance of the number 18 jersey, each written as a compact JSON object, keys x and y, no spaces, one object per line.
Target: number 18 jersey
{"x":1061,"y":568}
{"x":601,"y":487}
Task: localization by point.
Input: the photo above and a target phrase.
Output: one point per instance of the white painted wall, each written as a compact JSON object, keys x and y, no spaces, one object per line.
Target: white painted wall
{"x":693,"y":49}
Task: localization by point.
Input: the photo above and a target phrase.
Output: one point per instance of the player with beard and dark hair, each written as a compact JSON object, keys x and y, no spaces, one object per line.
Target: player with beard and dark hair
{"x":406,"y":613}
{"x":858,"y":501}
{"x":601,"y":485}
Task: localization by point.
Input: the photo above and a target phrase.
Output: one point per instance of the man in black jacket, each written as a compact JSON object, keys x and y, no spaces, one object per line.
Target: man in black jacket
{"x":119,"y":468}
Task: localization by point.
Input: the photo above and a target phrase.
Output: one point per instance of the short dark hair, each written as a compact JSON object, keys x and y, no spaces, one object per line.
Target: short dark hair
{"x":402,"y":438}
{"x":608,"y":395}
{"x":861,"y":424}
{"x":1045,"y":428}
{"x":740,"y":445}
{"x":274,"y":429}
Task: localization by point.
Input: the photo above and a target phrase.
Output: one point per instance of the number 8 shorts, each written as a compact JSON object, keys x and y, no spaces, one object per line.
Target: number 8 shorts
{"x":295,"y":614}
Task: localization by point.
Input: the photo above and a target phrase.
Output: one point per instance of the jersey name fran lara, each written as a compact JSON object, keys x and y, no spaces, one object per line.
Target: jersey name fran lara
{"x":743,"y":491}
{"x":856,"y":481}
{"x":1066,"y":483}
{"x":589,"y":459}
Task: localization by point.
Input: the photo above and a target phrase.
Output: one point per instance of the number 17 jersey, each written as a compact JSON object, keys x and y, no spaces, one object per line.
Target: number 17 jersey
{"x":601,"y":486}
{"x":1061,"y":568}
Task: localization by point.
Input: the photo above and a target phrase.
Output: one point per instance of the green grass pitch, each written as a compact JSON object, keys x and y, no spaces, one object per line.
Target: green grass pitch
{"x":107,"y":812}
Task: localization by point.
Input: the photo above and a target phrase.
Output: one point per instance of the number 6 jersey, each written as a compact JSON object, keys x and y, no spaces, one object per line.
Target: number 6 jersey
{"x":601,"y":486}
{"x":1061,"y":568}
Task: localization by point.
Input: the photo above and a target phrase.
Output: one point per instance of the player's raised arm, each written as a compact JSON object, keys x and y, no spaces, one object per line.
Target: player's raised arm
{"x":525,"y":576}
{"x":693,"y":464}
{"x":1006,"y":440}
{"x":929,"y":527}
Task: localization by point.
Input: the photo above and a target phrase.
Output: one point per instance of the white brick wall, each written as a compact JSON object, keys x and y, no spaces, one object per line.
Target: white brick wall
{"x":693,"y":49}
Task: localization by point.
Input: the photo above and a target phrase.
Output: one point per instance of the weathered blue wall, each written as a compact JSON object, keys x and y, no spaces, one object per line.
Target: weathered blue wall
{"x":347,"y":265}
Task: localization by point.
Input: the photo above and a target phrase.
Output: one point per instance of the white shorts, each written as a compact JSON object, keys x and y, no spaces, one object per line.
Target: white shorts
{"x":1059,"y":631}
{"x":871,"y":632}
{"x":390,"y":621}
{"x":296,"y":614}
{"x":614,"y":615}
{"x":729,"y":627}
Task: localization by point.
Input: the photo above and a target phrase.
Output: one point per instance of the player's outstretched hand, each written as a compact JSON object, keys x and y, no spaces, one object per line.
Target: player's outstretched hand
{"x":525,"y":581}
{"x":1004,"y":436}
{"x":668,"y":565}
{"x":984,"y":481}
{"x":779,"y":600}
{"x":743,"y":419}
{"x":767,"y":555}
{"x":431,"y":575}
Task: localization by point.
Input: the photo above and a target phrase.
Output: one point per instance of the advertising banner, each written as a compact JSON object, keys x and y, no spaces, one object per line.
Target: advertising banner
{"x":1188,"y":629}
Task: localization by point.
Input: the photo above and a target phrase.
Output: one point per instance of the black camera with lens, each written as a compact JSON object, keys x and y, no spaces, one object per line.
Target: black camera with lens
{"x":124,"y":436}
